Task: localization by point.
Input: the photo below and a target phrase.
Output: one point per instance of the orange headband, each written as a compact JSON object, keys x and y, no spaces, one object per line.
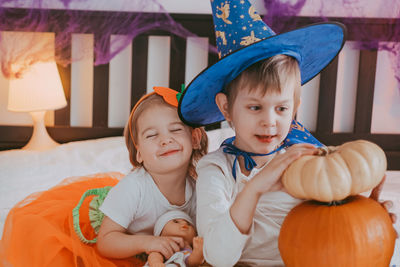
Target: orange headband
{"x":169,"y":95}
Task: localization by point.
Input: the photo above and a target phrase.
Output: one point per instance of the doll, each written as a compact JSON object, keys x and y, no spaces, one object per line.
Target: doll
{"x":176,"y":223}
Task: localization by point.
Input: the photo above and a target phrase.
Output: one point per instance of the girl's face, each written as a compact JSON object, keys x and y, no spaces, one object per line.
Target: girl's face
{"x":180,"y":228}
{"x":261,"y":122}
{"x":164,"y":143}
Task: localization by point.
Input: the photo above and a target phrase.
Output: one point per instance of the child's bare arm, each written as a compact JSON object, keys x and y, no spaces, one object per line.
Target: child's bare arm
{"x":196,"y":258}
{"x":243,"y":208}
{"x":114,"y":242}
{"x":155,"y":259}
{"x":375,"y":193}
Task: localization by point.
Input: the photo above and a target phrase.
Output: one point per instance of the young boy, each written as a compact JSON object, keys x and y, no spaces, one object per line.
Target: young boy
{"x":248,"y":206}
{"x":255,"y":86}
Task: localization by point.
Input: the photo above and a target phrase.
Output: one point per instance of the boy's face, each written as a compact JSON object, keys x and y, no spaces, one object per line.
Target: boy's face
{"x":261,"y":122}
{"x":180,"y":228}
{"x":164,"y":142}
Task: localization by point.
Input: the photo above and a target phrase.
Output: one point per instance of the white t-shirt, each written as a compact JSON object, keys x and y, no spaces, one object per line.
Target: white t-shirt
{"x":135,"y":202}
{"x":224,"y":244}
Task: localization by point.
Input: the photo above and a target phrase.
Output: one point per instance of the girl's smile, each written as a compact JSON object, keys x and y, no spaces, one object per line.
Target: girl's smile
{"x":170,"y":152}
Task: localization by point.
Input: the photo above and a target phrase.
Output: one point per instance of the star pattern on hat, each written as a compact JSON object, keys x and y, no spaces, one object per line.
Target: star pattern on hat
{"x":237,"y":24}
{"x":253,"y":14}
{"x":225,"y":9}
{"x":221,"y":34}
{"x":247,"y":40}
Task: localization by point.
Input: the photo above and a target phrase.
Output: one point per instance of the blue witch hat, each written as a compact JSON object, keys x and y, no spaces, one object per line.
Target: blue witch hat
{"x":244,"y":39}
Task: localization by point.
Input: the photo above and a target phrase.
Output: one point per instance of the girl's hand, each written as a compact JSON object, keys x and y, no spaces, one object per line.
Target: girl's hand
{"x":269,"y":177}
{"x":196,"y":258}
{"x":155,"y":259}
{"x":375,"y":193}
{"x":166,"y":245}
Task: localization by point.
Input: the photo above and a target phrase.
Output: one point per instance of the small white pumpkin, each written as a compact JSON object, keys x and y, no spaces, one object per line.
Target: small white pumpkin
{"x":338,"y":172}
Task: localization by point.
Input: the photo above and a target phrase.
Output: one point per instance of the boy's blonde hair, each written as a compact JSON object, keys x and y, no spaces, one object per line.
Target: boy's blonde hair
{"x":270,"y":75}
{"x":131,"y":127}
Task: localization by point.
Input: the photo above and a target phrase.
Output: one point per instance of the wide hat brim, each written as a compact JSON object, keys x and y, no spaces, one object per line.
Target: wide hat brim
{"x":313,"y":46}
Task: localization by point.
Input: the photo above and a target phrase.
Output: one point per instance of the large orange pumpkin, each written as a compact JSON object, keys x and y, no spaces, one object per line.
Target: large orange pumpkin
{"x":337,"y":227}
{"x":358,"y":233}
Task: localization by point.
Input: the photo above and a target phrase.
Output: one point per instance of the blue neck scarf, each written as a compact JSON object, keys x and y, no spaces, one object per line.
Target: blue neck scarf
{"x":297,"y":134}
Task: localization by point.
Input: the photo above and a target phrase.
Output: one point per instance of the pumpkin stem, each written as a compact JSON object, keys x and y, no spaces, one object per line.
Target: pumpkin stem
{"x":334,"y":202}
{"x":325,"y":150}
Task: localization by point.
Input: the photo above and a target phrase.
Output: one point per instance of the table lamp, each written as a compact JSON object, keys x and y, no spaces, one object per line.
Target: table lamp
{"x":38,"y":90}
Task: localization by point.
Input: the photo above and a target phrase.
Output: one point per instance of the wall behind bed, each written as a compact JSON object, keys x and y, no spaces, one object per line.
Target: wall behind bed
{"x":355,"y":97}
{"x":100,"y":98}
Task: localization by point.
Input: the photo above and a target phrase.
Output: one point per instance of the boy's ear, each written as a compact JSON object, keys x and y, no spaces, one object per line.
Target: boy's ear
{"x":196,"y":138}
{"x":138,"y":156}
{"x":296,"y":108}
{"x":222,"y":102}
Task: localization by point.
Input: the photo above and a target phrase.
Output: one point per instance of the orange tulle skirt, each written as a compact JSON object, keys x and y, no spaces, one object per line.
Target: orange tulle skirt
{"x":39,"y":230}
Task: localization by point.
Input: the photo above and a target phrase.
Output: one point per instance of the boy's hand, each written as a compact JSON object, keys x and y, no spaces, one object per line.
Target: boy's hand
{"x":269,"y":177}
{"x":198,"y":243}
{"x":375,"y":193}
{"x":166,"y":245}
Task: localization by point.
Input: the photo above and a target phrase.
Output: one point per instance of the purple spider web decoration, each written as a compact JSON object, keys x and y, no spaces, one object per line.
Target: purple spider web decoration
{"x":22,"y":48}
{"x":280,"y":16}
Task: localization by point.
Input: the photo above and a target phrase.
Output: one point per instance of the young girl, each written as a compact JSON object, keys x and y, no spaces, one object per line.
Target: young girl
{"x":163,"y":151}
{"x":40,"y":230}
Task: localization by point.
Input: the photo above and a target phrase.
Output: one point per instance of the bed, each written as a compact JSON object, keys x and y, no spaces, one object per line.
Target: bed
{"x":96,"y":145}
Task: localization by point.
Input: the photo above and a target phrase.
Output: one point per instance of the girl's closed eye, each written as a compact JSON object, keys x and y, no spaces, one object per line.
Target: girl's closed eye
{"x":150,"y":135}
{"x":177,"y":129}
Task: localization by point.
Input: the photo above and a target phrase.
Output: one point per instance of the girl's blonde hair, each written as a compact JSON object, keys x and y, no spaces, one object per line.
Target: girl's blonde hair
{"x":269,"y":75}
{"x":130,"y":133}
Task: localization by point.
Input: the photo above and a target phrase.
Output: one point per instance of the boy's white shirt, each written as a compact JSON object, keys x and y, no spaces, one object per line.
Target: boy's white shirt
{"x":136,"y":203}
{"x":224,"y":244}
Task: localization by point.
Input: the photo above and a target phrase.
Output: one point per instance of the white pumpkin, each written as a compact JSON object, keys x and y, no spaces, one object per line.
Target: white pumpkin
{"x":338,"y":172}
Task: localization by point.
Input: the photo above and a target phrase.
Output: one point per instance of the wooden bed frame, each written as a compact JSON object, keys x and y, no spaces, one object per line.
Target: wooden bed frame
{"x":202,"y":26}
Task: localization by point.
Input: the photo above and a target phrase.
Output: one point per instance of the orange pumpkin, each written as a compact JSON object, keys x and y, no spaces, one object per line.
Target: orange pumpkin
{"x":357,"y":233}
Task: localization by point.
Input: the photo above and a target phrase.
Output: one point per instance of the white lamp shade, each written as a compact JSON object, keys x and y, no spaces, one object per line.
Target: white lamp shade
{"x":40,"y":88}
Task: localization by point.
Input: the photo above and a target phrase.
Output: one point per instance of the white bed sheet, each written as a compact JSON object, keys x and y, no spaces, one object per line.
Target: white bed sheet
{"x":25,"y":172}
